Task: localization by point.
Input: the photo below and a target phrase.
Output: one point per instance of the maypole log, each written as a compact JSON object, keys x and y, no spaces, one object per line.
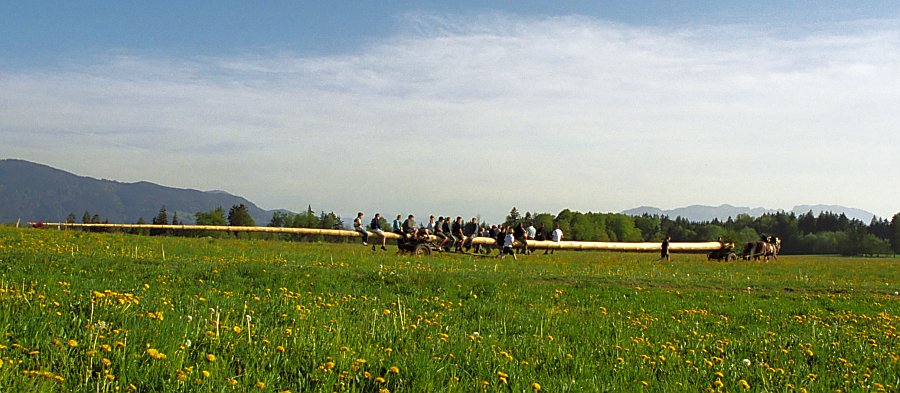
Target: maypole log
{"x":535,"y":244}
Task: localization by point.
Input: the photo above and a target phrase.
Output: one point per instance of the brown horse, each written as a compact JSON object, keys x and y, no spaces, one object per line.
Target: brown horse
{"x":764,"y":249}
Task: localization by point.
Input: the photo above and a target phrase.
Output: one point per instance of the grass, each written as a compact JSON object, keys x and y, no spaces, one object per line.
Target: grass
{"x":107,"y":312}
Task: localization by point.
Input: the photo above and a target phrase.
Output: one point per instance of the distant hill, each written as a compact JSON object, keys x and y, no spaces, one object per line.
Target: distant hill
{"x":722,"y":212}
{"x":35,"y":192}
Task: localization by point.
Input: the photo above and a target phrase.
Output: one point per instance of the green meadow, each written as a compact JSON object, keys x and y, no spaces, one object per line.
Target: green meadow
{"x":113,"y":312}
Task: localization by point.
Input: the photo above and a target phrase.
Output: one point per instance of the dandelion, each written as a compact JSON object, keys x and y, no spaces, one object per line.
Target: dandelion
{"x":746,"y":362}
{"x":154,"y":353}
{"x":380,"y":380}
{"x":232,"y":381}
{"x":72,"y":343}
{"x":744,"y":384}
{"x":205,"y":373}
{"x":279,"y":348}
{"x":536,"y":386}
{"x":210,"y":357}
{"x":260,"y":385}
{"x":394,"y":370}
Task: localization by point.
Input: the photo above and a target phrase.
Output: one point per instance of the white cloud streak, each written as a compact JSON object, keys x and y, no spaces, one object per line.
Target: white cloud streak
{"x":479,"y":115}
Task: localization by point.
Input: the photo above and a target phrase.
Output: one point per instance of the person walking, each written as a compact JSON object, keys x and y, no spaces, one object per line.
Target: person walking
{"x":664,"y":249}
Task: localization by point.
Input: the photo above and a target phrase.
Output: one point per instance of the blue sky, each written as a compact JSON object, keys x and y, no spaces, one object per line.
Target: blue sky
{"x":466,"y":107}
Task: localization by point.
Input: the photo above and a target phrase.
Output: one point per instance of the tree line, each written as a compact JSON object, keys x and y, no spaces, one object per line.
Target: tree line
{"x":808,"y":233}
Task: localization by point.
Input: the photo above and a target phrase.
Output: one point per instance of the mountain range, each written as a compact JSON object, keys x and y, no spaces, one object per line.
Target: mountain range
{"x":37,"y":192}
{"x":699,"y":213}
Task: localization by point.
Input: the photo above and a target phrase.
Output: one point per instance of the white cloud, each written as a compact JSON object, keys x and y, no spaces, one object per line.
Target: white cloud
{"x":487,"y":113}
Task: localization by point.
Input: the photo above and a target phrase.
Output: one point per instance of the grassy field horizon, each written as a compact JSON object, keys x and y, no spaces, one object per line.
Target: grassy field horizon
{"x":108,"y":312}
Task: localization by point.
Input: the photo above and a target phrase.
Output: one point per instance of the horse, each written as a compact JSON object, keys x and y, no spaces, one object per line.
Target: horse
{"x":770,"y":247}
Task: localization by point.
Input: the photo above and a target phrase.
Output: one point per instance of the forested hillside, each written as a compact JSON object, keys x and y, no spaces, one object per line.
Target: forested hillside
{"x":31,"y":191}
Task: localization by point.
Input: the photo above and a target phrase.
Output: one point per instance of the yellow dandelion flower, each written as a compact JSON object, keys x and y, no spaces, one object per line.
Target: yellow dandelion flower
{"x":205,"y":373}
{"x":394,"y":370}
{"x":380,"y":380}
{"x":110,"y":377}
{"x":536,"y":386}
{"x":232,"y":381}
{"x":210,"y":357}
{"x":744,"y":384}
{"x":72,"y":343}
{"x":106,"y":362}
{"x":260,"y":385}
{"x":279,"y":348}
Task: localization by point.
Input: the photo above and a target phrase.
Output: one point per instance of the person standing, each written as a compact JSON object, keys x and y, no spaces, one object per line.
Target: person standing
{"x":470,"y":230}
{"x":664,"y":249}
{"x":375,"y":227}
{"x":358,"y":227}
{"x":519,"y":235}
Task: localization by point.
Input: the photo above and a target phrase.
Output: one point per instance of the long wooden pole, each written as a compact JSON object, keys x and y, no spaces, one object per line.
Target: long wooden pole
{"x":536,"y":244}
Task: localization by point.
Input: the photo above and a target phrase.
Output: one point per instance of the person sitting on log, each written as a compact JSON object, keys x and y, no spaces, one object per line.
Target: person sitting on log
{"x":449,"y":233}
{"x":397,"y":225}
{"x":375,"y":227}
{"x":409,"y":227}
{"x":358,"y":227}
{"x":439,"y":232}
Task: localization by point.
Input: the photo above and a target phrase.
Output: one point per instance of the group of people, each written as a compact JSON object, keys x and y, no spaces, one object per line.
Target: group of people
{"x":458,"y":235}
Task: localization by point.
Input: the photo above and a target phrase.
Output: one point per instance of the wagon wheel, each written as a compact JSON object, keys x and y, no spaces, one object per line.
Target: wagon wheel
{"x":422,"y":250}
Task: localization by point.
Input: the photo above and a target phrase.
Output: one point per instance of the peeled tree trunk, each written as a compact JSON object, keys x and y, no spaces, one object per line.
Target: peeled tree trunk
{"x":535,"y":244}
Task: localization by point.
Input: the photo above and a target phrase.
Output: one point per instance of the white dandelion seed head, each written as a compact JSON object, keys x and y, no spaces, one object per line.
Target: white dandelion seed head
{"x":746,"y":362}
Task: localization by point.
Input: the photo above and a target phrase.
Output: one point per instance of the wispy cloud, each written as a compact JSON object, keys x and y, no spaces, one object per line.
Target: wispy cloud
{"x":485,"y":113}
